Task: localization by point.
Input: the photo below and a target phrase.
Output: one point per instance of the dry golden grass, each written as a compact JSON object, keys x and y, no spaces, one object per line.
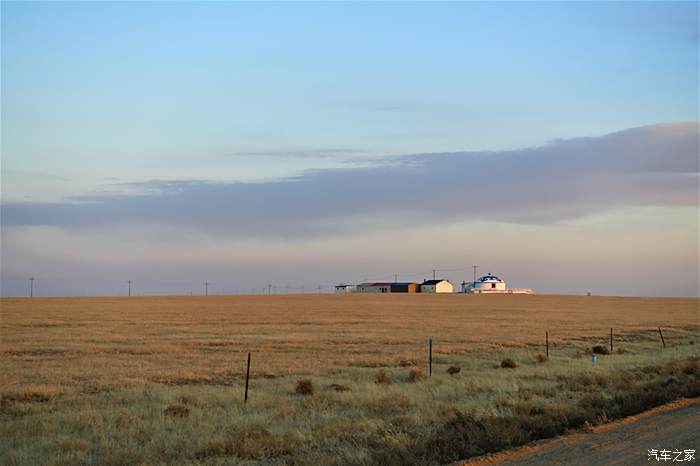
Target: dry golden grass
{"x":204,"y":340}
{"x":160,"y":380}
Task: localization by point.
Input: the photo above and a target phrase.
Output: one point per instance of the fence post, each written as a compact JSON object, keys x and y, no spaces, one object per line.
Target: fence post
{"x":430,"y":358}
{"x":662,"y":338}
{"x":247,"y":376}
{"x":611,"y":341}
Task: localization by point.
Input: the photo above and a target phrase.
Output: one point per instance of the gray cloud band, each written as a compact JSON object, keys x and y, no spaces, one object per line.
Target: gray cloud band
{"x":651,"y":165}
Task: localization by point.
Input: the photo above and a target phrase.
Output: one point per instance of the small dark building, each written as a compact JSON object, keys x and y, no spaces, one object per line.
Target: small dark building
{"x":404,"y":287}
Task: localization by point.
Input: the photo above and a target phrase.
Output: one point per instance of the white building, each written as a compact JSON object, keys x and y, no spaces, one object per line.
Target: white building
{"x":491,"y":284}
{"x":436,"y":286}
{"x":345,"y":288}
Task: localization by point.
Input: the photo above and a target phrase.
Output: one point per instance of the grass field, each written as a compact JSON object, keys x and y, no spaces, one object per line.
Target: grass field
{"x":160,"y":380}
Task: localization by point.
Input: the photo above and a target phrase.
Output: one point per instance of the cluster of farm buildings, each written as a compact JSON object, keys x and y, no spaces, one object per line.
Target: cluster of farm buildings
{"x":486,"y":284}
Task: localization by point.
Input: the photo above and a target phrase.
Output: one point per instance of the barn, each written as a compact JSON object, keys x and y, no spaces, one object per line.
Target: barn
{"x":436,"y":286}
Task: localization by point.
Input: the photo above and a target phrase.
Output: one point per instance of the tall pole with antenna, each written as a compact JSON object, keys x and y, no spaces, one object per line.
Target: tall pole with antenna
{"x":31,"y":287}
{"x":475,"y":267}
{"x":206,"y":288}
{"x":129,"y":282}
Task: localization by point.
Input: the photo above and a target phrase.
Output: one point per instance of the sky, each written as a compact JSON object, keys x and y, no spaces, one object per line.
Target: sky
{"x":307,"y":144}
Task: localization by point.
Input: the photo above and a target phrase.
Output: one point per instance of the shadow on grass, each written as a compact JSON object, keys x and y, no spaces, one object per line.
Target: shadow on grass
{"x":613,"y":396}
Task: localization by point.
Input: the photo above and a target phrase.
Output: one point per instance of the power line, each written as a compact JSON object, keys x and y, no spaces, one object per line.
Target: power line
{"x":184,"y":287}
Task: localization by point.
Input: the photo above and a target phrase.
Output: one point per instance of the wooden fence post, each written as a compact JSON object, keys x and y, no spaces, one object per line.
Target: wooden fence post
{"x":247,"y":376}
{"x":662,"y":338}
{"x":611,"y":341}
{"x":430,"y":358}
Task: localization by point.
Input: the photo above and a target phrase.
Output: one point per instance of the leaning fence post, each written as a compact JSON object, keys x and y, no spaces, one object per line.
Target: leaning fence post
{"x":662,"y":337}
{"x":430,"y":358}
{"x":247,"y":376}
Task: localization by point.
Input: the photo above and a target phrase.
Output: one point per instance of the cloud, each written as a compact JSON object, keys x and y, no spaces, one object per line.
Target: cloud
{"x":648,"y":166}
{"x":301,"y":153}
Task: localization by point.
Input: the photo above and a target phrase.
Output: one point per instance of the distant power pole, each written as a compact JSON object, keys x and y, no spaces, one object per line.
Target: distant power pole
{"x":396,"y":278}
{"x":475,"y":267}
{"x":269,"y":288}
{"x":206,"y":288}
{"x":319,"y":288}
{"x":129,"y":282}
{"x":31,"y":287}
{"x":433,"y":274}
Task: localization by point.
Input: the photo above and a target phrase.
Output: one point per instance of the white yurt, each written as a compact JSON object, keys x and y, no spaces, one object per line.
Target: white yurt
{"x":485,"y":284}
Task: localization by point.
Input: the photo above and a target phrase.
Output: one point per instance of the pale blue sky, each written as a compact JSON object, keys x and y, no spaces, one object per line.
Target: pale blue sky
{"x":185,"y":90}
{"x":106,"y":100}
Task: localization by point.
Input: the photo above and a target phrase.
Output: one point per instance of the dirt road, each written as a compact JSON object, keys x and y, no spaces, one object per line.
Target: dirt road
{"x":672,"y":427}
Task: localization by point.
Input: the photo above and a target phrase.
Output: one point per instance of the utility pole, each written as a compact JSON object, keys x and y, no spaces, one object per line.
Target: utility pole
{"x":129,"y":282}
{"x":433,"y":274}
{"x":206,"y":288}
{"x":396,"y":278}
{"x":475,"y":267}
{"x":319,"y":289}
{"x":31,"y":287}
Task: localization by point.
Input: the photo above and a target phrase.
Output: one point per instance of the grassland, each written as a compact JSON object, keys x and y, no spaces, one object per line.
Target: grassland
{"x":160,"y":380}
